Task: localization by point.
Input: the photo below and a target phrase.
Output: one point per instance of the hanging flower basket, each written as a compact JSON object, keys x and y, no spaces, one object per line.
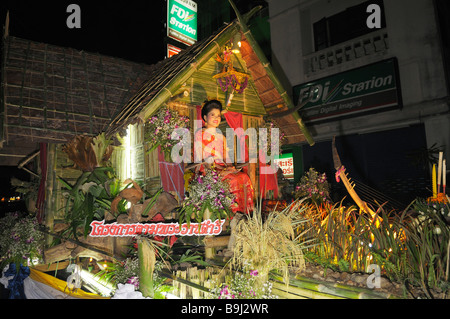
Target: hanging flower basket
{"x":238,"y":81}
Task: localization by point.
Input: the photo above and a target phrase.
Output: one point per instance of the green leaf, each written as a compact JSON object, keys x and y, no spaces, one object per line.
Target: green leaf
{"x":65,"y":184}
{"x":90,"y":214}
{"x":152,"y":202}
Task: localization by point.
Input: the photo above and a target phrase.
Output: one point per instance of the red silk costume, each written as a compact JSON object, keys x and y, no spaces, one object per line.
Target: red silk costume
{"x":213,"y":144}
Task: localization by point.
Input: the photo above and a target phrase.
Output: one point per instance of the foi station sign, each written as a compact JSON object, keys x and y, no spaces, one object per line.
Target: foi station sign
{"x":373,"y":87}
{"x":182,"y":21}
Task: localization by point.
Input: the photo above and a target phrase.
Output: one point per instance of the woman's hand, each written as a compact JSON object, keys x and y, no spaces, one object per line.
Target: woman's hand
{"x":228,"y":170}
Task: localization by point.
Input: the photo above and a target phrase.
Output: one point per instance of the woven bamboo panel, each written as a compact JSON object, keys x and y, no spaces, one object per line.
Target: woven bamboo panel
{"x":53,"y":93}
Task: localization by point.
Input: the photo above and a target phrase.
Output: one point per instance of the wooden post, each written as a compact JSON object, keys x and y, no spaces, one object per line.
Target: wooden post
{"x":50,"y":191}
{"x":210,"y":252}
{"x":219,"y":241}
{"x":147,"y":260}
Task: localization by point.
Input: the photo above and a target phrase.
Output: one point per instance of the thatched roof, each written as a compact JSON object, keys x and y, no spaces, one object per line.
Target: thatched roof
{"x":52,"y":93}
{"x":167,"y":73}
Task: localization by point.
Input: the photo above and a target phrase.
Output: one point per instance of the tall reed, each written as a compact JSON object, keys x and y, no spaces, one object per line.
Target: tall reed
{"x":411,"y":247}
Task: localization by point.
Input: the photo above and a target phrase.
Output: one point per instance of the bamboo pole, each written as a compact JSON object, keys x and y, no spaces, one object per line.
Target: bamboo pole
{"x":147,"y":260}
{"x":439,"y":172}
{"x":286,"y":295}
{"x":305,"y":293}
{"x":433,"y":180}
{"x":210,"y":251}
{"x":335,"y":289}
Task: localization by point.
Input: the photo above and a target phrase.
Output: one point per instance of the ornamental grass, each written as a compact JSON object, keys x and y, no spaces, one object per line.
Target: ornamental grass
{"x":411,"y":247}
{"x":271,"y":243}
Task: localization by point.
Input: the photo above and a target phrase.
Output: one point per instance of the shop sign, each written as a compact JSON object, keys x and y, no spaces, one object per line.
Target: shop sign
{"x":205,"y":228}
{"x":374,"y":87}
{"x":182,"y":21}
{"x":172,"y":50}
{"x":286,"y":163}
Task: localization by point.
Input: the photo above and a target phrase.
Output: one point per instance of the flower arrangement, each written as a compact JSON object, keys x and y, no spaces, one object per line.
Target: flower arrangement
{"x":128,"y":272}
{"x":225,"y":58}
{"x":314,"y":186}
{"x":159,"y":129}
{"x":207,"y":191}
{"x":244,"y":286}
{"x":265,"y":140}
{"x":20,"y":240}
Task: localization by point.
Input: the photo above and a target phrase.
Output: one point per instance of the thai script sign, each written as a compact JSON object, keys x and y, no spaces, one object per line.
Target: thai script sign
{"x":373,"y":87}
{"x":205,"y":228}
{"x":286,"y":163}
{"x":182,"y":21}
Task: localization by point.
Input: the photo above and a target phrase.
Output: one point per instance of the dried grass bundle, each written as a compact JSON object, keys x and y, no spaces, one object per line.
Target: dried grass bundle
{"x":265,"y":245}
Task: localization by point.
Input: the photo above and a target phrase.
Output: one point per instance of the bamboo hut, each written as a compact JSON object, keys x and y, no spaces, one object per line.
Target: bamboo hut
{"x":184,"y":81}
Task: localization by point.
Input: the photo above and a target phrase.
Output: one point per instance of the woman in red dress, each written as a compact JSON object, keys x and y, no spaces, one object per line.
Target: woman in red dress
{"x":213,"y":151}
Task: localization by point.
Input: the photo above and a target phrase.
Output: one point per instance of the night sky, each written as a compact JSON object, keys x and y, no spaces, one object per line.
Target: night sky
{"x":133,"y":30}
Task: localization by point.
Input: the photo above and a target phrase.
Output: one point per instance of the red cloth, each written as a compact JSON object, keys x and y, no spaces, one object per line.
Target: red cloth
{"x":266,"y":181}
{"x":235,"y":121}
{"x":199,"y":114}
{"x":172,"y":175}
{"x":241,"y":186}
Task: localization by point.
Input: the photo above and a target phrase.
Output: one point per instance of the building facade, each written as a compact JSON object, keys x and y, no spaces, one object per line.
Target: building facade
{"x":374,"y":75}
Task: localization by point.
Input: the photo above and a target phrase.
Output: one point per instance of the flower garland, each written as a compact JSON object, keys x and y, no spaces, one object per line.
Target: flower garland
{"x":161,"y":129}
{"x":232,"y":81}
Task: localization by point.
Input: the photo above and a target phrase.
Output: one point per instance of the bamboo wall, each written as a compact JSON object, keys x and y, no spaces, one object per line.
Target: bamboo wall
{"x":202,"y":86}
{"x":63,"y":168}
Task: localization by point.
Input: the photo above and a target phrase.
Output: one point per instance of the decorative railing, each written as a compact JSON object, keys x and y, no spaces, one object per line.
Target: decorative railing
{"x":373,"y":44}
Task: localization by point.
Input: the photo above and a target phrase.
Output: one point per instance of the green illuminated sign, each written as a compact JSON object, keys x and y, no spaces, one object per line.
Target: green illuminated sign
{"x":182,"y":21}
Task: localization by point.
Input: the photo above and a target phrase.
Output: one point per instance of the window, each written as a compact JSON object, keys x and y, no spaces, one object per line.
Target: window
{"x":345,"y":25}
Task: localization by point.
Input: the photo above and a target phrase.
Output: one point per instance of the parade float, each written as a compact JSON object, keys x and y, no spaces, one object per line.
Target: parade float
{"x":117,"y":217}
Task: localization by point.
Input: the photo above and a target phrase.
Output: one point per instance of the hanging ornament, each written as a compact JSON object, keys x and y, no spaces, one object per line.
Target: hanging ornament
{"x":229,"y":78}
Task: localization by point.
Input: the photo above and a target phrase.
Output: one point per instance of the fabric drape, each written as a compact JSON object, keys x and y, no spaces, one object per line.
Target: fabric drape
{"x":172,"y":175}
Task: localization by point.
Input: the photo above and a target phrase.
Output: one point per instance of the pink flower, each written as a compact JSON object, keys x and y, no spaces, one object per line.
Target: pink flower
{"x":254,"y":272}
